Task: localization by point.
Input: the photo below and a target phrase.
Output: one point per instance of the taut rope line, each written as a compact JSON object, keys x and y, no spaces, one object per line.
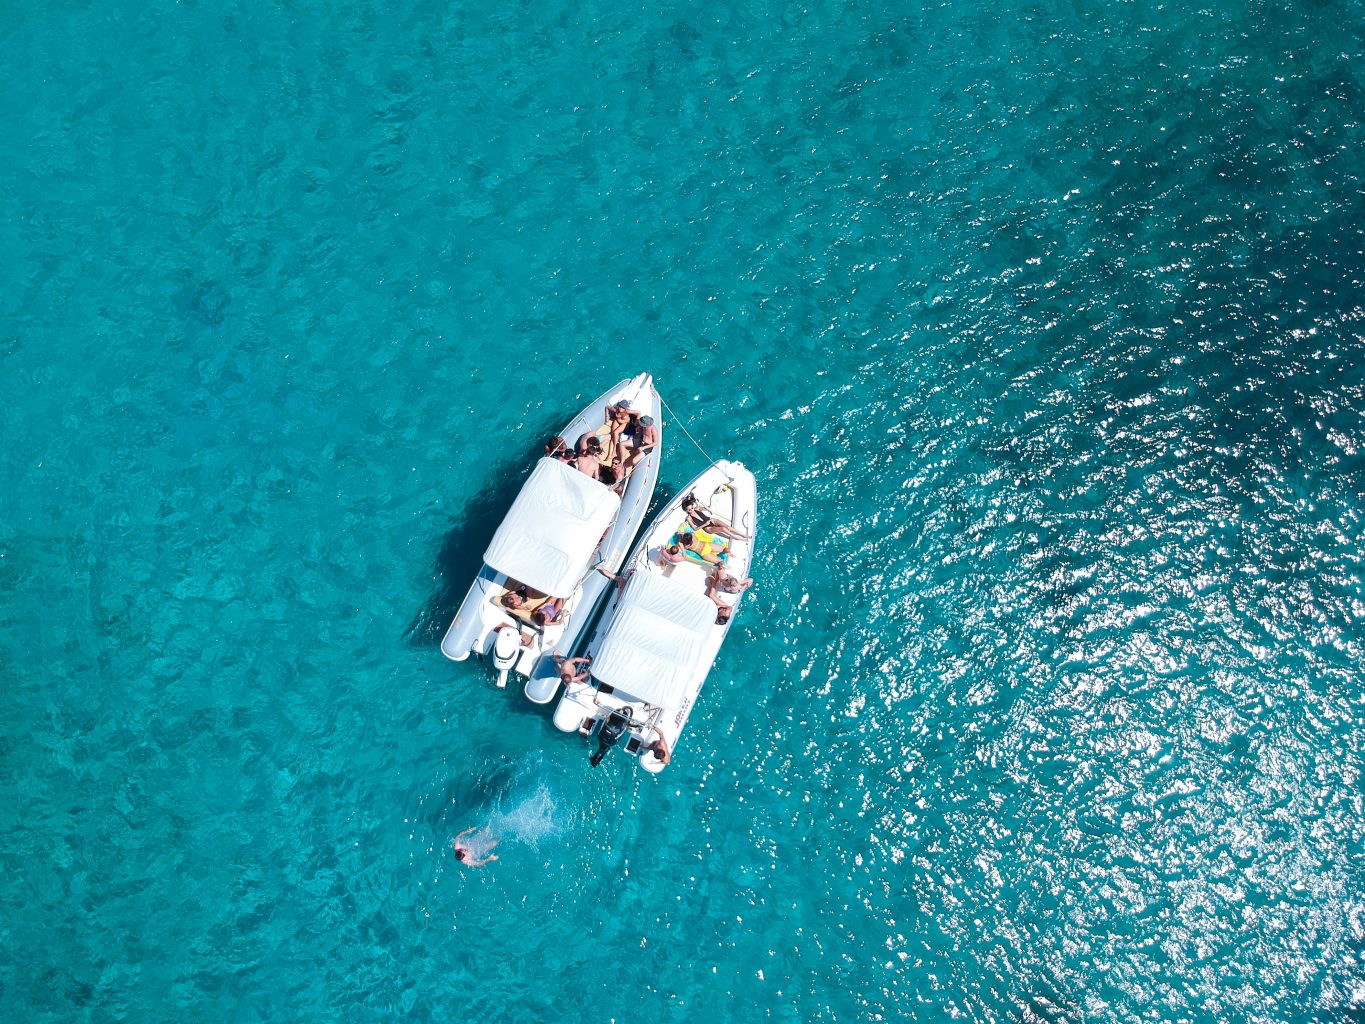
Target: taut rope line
{"x":683,"y":427}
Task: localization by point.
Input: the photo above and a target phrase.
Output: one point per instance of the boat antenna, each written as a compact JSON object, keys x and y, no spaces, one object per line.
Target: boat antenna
{"x":683,"y":427}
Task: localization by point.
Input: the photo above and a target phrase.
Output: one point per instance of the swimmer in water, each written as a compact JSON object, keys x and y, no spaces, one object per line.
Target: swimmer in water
{"x":468,"y":856}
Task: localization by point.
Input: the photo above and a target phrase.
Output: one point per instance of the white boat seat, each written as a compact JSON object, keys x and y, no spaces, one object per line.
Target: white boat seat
{"x":687,"y":572}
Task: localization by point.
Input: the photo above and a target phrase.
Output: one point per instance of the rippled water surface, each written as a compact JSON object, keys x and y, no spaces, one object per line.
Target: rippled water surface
{"x":1041,"y":326}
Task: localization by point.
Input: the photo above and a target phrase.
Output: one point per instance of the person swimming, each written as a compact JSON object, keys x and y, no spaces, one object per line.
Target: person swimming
{"x":477,"y":851}
{"x":521,"y":807}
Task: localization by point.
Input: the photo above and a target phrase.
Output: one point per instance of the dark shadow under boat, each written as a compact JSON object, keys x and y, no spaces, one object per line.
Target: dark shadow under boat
{"x":463,"y":545}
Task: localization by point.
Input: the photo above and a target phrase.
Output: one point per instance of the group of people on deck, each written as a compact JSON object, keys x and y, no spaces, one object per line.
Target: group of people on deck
{"x":577,"y":670}
{"x":612,"y":451}
{"x":531,"y":605}
{"x":608,"y":454}
{"x":705,"y":539}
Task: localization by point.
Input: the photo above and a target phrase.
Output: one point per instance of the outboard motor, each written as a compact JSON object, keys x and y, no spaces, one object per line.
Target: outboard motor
{"x":607,"y":737}
{"x":506,"y":650}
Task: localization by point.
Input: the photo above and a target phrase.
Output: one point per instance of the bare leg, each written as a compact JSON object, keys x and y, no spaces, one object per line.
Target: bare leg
{"x":726,"y":530}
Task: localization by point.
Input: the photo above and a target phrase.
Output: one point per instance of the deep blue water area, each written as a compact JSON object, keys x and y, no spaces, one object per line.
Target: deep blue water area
{"x":1041,"y":326}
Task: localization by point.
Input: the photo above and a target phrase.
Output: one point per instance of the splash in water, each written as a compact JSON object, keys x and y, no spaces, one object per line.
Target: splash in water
{"x":521,"y":809}
{"x":529,"y":818}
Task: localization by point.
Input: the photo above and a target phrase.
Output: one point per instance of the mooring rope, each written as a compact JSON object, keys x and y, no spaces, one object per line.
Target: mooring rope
{"x":683,"y":427}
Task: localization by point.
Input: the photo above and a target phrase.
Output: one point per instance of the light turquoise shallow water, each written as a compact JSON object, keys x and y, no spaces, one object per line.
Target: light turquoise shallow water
{"x":1041,"y":327}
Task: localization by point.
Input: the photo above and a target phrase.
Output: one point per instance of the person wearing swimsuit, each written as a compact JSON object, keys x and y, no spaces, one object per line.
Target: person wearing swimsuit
{"x":644,"y":436}
{"x":572,"y":670}
{"x":727,"y":584}
{"x":699,"y":517}
{"x":704,"y":547}
{"x":659,"y":750}
{"x":723,"y":611}
{"x":550,"y":612}
{"x":471,"y":855}
{"x":588,"y":455}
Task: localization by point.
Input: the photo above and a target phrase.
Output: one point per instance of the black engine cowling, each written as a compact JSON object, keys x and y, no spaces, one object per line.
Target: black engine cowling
{"x":609,"y":735}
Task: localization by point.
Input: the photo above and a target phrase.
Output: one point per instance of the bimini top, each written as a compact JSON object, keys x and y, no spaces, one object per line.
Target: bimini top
{"x":552,"y":529}
{"x":655,"y":644}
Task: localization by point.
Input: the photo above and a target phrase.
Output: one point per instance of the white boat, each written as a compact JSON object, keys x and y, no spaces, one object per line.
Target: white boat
{"x":561,"y":527}
{"x":660,"y":634}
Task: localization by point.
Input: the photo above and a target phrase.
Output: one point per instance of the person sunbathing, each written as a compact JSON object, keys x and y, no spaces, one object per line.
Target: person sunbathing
{"x":704,"y":547}
{"x":727,"y":584}
{"x":549,"y":613}
{"x":531,"y":605}
{"x":684,"y":546}
{"x":516,"y":597}
{"x":723,"y":610}
{"x":699,"y":517}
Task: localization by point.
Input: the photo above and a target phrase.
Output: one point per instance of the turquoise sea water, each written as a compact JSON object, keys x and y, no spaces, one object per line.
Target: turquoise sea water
{"x":1041,"y":325}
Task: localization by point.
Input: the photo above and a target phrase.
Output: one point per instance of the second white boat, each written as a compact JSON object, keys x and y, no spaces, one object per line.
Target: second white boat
{"x":662,"y":629}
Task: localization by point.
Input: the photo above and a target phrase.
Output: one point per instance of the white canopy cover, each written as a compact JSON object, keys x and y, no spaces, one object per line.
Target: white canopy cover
{"x":553,"y":528}
{"x":654,"y":646}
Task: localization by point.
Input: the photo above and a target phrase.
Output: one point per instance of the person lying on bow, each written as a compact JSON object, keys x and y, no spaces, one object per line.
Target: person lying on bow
{"x":699,"y":517}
